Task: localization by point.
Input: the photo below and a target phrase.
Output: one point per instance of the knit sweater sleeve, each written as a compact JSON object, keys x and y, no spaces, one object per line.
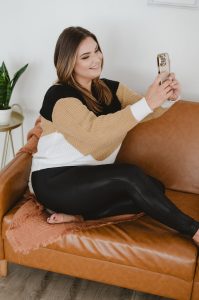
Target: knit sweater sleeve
{"x":127,"y":96}
{"x":87,"y":132}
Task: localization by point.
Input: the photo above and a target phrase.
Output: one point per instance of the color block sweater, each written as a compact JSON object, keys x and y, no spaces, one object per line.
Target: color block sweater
{"x":74,"y":135}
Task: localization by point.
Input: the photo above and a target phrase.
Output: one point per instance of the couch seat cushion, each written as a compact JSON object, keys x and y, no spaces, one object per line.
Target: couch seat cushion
{"x":144,"y":243}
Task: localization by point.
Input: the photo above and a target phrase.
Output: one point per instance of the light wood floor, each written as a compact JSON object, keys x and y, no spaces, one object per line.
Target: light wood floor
{"x":24,"y":283}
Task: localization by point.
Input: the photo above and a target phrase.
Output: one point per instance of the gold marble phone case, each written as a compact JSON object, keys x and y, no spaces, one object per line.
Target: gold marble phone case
{"x":163,"y":62}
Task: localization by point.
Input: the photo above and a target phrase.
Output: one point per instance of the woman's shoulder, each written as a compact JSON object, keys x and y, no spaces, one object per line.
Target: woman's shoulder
{"x":58,"y":91}
{"x":112,"y":84}
{"x":54,"y":94}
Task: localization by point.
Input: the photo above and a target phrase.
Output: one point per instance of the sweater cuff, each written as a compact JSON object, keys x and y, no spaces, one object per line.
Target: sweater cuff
{"x":140,"y":109}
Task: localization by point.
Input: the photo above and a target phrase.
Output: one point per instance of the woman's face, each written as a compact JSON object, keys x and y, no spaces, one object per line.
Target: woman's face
{"x":88,"y":64}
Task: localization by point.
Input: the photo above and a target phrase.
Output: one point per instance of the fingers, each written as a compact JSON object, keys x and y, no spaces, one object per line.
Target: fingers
{"x":157,"y":93}
{"x":168,"y":89}
{"x":171,"y":79}
{"x":166,"y":83}
{"x":172,"y":76}
{"x":160,"y":76}
{"x":175,"y":84}
{"x":175,"y":96}
{"x":170,"y":94}
{"x":176,"y":88}
{"x":158,"y":79}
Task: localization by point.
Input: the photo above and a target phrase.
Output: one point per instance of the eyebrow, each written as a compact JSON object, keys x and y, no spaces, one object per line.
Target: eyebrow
{"x":89,"y":52}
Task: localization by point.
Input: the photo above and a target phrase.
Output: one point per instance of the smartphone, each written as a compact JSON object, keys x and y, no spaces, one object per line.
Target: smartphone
{"x":163,"y":63}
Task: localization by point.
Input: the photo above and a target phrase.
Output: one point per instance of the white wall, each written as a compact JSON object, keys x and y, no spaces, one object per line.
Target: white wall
{"x":130,"y":32}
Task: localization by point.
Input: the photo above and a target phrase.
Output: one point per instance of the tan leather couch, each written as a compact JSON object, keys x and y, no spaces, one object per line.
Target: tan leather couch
{"x":143,"y":255}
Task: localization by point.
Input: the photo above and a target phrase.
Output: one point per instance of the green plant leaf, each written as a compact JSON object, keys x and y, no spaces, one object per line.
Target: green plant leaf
{"x":7,"y":85}
{"x":8,"y":93}
{"x":5,"y":71}
{"x":17,"y":75}
{"x":4,"y":80}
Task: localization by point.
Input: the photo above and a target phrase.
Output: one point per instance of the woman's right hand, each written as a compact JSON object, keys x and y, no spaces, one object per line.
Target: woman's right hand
{"x":157,"y":94}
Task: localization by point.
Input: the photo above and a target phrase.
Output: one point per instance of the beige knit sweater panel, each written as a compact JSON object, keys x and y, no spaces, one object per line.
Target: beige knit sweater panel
{"x":89,"y":134}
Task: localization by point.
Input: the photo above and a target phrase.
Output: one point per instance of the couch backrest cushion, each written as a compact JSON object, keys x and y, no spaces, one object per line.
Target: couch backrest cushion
{"x":167,"y":147}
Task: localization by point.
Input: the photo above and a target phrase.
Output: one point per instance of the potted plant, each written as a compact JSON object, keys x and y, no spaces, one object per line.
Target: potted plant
{"x":6,"y":89}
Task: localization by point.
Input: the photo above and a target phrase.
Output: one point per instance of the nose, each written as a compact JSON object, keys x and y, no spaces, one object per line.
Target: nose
{"x":96,"y":59}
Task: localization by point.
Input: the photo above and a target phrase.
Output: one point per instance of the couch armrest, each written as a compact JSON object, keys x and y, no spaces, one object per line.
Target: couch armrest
{"x":13,"y":182}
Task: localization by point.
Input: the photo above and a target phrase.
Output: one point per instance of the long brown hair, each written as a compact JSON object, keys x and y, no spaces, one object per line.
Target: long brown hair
{"x":64,"y":60}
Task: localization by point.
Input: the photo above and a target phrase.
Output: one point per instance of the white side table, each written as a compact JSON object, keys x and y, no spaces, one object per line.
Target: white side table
{"x":16,"y":121}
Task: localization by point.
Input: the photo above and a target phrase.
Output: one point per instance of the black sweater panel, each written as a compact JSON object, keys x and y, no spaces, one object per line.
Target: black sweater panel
{"x":58,"y":91}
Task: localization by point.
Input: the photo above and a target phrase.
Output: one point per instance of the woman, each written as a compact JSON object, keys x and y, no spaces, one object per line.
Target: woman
{"x":84,"y":121}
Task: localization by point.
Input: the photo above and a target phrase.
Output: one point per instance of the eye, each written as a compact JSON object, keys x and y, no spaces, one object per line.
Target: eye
{"x":85,"y":57}
{"x":96,"y":50}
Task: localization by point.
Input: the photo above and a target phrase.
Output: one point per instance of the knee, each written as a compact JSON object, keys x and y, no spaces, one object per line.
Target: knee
{"x":133,"y":173}
{"x":134,"y":170}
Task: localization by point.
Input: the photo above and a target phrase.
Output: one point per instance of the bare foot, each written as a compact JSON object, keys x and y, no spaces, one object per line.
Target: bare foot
{"x":196,"y":237}
{"x":63,"y":218}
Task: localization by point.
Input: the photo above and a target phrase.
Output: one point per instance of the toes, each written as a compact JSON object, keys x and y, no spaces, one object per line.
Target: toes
{"x":52,"y":219}
{"x":49,"y":220}
{"x":64,"y":218}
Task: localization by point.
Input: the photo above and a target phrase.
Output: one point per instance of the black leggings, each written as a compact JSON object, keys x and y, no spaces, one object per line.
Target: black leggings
{"x":106,"y":190}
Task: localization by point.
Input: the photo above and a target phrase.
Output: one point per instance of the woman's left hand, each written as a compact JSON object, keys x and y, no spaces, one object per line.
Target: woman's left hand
{"x":175,"y":86}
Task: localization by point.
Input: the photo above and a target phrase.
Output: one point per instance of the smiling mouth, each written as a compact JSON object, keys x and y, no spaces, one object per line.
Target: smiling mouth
{"x":96,"y":67}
